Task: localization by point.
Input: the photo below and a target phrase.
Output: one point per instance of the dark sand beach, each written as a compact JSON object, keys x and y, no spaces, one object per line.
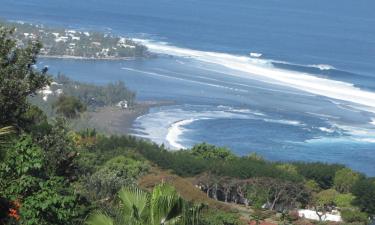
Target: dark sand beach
{"x":115,"y":120}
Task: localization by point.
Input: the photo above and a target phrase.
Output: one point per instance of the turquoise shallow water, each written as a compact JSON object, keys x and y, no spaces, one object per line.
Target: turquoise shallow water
{"x":285,"y":104}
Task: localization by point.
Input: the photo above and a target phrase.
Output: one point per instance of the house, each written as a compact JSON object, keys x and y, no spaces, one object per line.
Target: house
{"x":123,"y":104}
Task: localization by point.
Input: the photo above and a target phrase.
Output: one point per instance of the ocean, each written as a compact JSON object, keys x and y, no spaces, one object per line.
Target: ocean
{"x":292,"y":80}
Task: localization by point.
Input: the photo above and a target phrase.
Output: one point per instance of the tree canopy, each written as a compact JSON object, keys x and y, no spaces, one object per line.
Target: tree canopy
{"x":18,"y":79}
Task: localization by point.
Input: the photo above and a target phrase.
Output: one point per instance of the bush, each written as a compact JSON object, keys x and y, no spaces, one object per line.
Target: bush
{"x":351,"y":216}
{"x":116,"y":173}
{"x":215,"y":217}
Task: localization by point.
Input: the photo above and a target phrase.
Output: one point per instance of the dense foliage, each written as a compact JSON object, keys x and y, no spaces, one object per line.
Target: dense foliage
{"x":18,"y":79}
{"x":162,"y":206}
{"x":93,"y":95}
{"x":69,"y":106}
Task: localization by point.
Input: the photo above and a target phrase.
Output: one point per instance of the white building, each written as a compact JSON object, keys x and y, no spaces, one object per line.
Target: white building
{"x":123,"y":104}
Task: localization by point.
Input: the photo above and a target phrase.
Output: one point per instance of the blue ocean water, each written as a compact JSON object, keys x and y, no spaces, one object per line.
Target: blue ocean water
{"x":306,"y":91}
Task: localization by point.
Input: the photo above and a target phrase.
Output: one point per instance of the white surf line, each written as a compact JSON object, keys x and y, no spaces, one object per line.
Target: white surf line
{"x":298,"y":80}
{"x":175,"y":131}
{"x":257,"y":87}
{"x":235,"y":83}
{"x":182,"y":79}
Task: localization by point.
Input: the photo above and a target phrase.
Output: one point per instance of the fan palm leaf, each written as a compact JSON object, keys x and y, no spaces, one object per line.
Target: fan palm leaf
{"x":99,"y":219}
{"x":135,"y":205}
{"x":5,"y":131}
{"x":166,"y":205}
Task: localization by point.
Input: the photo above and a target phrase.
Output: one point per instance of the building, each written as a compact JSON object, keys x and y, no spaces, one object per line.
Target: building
{"x":123,"y":104}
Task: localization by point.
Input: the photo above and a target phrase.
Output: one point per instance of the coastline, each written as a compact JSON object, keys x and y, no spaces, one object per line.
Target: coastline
{"x":115,"y":120}
{"x":89,"y":58}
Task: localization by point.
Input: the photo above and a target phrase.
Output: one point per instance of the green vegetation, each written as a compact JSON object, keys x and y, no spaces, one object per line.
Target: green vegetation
{"x":162,"y":207}
{"x":68,"y":106}
{"x":210,"y":152}
{"x":18,"y":80}
{"x":215,"y":217}
{"x":68,"y":98}
{"x":93,"y":95}
{"x":352,"y":216}
{"x":50,"y":174}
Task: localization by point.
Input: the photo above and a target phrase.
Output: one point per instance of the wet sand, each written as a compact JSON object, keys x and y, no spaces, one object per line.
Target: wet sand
{"x":115,"y":120}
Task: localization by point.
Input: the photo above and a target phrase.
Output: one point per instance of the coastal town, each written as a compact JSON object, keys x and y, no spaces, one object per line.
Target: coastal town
{"x":70,"y":43}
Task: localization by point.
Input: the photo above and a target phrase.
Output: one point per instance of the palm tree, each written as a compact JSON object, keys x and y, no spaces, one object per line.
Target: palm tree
{"x":5,"y":131}
{"x":164,"y":206}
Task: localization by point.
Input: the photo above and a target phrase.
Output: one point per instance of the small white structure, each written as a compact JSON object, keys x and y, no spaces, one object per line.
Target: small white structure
{"x":122,"y":43}
{"x":123,"y":104}
{"x":61,"y":39}
{"x":311,"y":214}
{"x":50,"y":91}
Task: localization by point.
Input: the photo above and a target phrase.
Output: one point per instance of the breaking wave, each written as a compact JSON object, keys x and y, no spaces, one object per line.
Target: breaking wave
{"x":263,"y":70}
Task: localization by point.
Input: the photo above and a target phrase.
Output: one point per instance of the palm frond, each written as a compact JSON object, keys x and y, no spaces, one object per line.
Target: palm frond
{"x":4,"y":132}
{"x":134,"y":203}
{"x":166,"y":205}
{"x":99,"y":219}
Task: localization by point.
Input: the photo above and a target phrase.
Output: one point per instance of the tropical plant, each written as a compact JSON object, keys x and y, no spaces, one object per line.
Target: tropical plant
{"x":4,"y":133}
{"x":345,"y":179}
{"x":163,"y":206}
{"x":18,"y":78}
{"x":69,"y":106}
{"x":43,"y":199}
{"x":207,"y":151}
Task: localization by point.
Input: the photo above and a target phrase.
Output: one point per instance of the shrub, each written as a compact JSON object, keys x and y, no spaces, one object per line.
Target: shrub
{"x":351,"y":216}
{"x":215,"y":217}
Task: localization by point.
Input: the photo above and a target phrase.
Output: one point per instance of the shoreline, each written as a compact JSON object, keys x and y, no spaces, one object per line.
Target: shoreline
{"x":120,"y":121}
{"x":90,"y":58}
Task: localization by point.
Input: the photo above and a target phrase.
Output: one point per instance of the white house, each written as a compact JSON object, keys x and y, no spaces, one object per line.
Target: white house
{"x":123,"y":104}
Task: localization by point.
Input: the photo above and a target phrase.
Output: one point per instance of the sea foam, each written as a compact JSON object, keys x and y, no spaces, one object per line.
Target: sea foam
{"x":175,"y":131}
{"x":264,"y":71}
{"x":323,"y":66}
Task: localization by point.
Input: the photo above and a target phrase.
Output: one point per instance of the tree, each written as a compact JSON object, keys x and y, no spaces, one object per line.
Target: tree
{"x":344,"y":200}
{"x":4,"y":134}
{"x":207,"y":151}
{"x":43,"y":199}
{"x":354,"y":216}
{"x":18,"y":79}
{"x":163,"y":206}
{"x":321,"y":173}
{"x":364,"y":192}
{"x":116,"y":173}
{"x":255,"y":156}
{"x":312,"y":186}
{"x":58,"y":150}
{"x":69,"y":107}
{"x":323,"y":200}
{"x":345,"y":179}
